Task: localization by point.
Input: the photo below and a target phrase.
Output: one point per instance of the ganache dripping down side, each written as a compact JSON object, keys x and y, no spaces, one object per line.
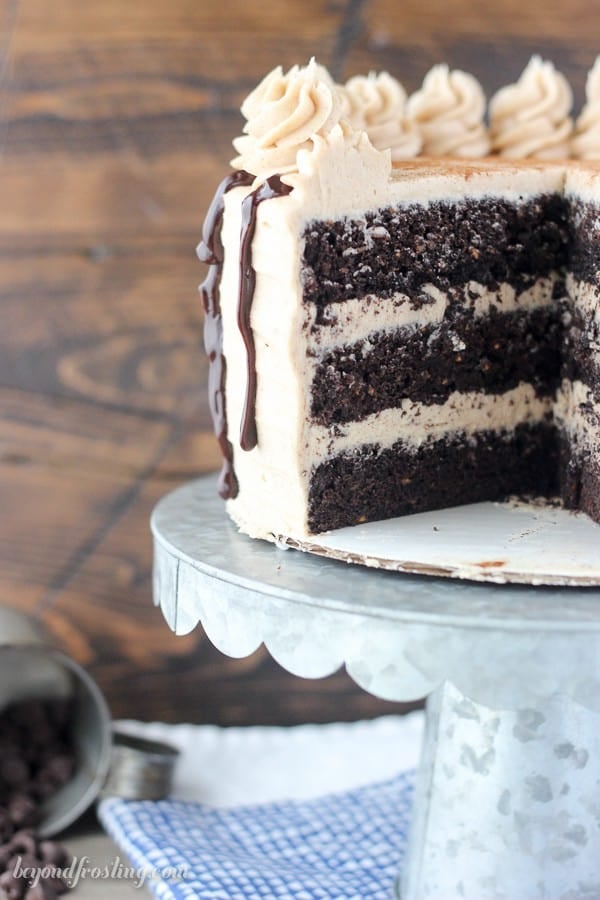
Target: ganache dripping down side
{"x":273,"y":187}
{"x":210,"y":251}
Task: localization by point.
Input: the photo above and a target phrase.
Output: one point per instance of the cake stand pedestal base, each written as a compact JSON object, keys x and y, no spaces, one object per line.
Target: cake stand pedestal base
{"x":508,"y":796}
{"x":507,"y":804}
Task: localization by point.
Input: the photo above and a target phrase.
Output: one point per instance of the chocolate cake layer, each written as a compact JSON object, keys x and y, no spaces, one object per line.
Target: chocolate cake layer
{"x":399,"y":250}
{"x":584,"y":241}
{"x":581,"y":350}
{"x":370,"y":484}
{"x":579,"y":479}
{"x":589,"y":497}
{"x":491,"y":353}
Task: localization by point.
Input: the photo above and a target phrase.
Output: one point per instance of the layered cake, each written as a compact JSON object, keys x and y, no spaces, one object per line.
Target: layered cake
{"x":390,"y":332}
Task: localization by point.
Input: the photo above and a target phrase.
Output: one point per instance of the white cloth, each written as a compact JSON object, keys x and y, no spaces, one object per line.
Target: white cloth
{"x":228,"y":767}
{"x":314,"y":812}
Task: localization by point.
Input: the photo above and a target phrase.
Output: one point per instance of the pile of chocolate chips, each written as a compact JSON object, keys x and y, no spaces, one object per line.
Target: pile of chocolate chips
{"x":36,"y":760}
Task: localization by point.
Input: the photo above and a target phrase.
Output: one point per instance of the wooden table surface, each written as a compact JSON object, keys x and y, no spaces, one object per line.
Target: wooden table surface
{"x":115,"y":125}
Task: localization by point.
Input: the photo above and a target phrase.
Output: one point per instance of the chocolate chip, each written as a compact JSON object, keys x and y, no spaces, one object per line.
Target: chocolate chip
{"x":14,"y":771}
{"x":14,"y":888}
{"x":9,"y":744}
{"x":23,"y":862}
{"x":54,"y":853}
{"x":59,"y":769}
{"x":6,"y":826}
{"x":36,"y":893}
{"x":40,"y":892}
{"x":54,"y":886}
{"x":30,"y":715}
{"x":60,"y":713}
{"x":22,"y":810}
{"x":6,"y":854}
{"x":36,"y":760}
{"x":23,"y":842}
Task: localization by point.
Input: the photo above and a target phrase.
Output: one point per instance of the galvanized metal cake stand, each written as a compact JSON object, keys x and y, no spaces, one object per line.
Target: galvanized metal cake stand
{"x":508,"y":792}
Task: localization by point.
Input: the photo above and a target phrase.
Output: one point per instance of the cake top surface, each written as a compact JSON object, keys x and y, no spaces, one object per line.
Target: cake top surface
{"x":292,"y":116}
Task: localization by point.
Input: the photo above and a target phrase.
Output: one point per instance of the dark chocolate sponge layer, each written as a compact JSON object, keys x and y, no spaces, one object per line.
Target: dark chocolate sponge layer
{"x":372,"y":484}
{"x":422,"y":364}
{"x":579,"y":479}
{"x":398,"y":250}
{"x":584,"y":241}
{"x":579,"y":353}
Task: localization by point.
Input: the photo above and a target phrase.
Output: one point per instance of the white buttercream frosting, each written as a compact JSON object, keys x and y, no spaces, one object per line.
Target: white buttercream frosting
{"x":291,"y":113}
{"x":449,"y":111}
{"x":376,"y":103}
{"x":362,"y":319}
{"x":283,"y":115}
{"x":416,"y":423}
{"x":586,"y":142}
{"x":531,"y":118}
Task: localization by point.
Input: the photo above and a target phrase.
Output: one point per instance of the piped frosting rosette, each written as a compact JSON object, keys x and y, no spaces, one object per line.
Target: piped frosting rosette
{"x":376,"y":103}
{"x":283,"y":116}
{"x":586,"y":141}
{"x":531,"y":119}
{"x":294,"y":113}
{"x":449,"y":110}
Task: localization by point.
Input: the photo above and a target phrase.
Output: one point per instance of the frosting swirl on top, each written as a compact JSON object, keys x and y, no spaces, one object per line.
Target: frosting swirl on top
{"x":376,"y":103}
{"x":531,"y":118}
{"x":284,"y":113}
{"x":449,"y":111}
{"x":586,"y":142}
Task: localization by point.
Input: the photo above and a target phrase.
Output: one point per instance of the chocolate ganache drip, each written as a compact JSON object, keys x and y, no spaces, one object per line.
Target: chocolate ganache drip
{"x":271,"y":188}
{"x":210,"y":250}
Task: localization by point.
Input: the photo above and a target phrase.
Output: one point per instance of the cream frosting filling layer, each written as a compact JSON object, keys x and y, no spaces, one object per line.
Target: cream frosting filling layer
{"x":416,"y":423}
{"x":355,"y":320}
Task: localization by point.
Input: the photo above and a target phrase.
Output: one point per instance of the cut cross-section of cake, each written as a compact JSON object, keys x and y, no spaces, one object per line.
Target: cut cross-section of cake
{"x":577,"y":413}
{"x":400,"y":338}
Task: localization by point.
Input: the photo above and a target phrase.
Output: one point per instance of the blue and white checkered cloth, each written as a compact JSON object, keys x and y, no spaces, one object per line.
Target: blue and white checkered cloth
{"x":347,"y":846}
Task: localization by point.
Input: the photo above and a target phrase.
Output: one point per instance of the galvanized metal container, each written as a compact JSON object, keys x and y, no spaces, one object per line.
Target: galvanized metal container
{"x":32,"y":670}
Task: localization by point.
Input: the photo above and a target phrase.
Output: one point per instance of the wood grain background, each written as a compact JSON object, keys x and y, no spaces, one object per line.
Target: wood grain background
{"x":116,"y":120}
